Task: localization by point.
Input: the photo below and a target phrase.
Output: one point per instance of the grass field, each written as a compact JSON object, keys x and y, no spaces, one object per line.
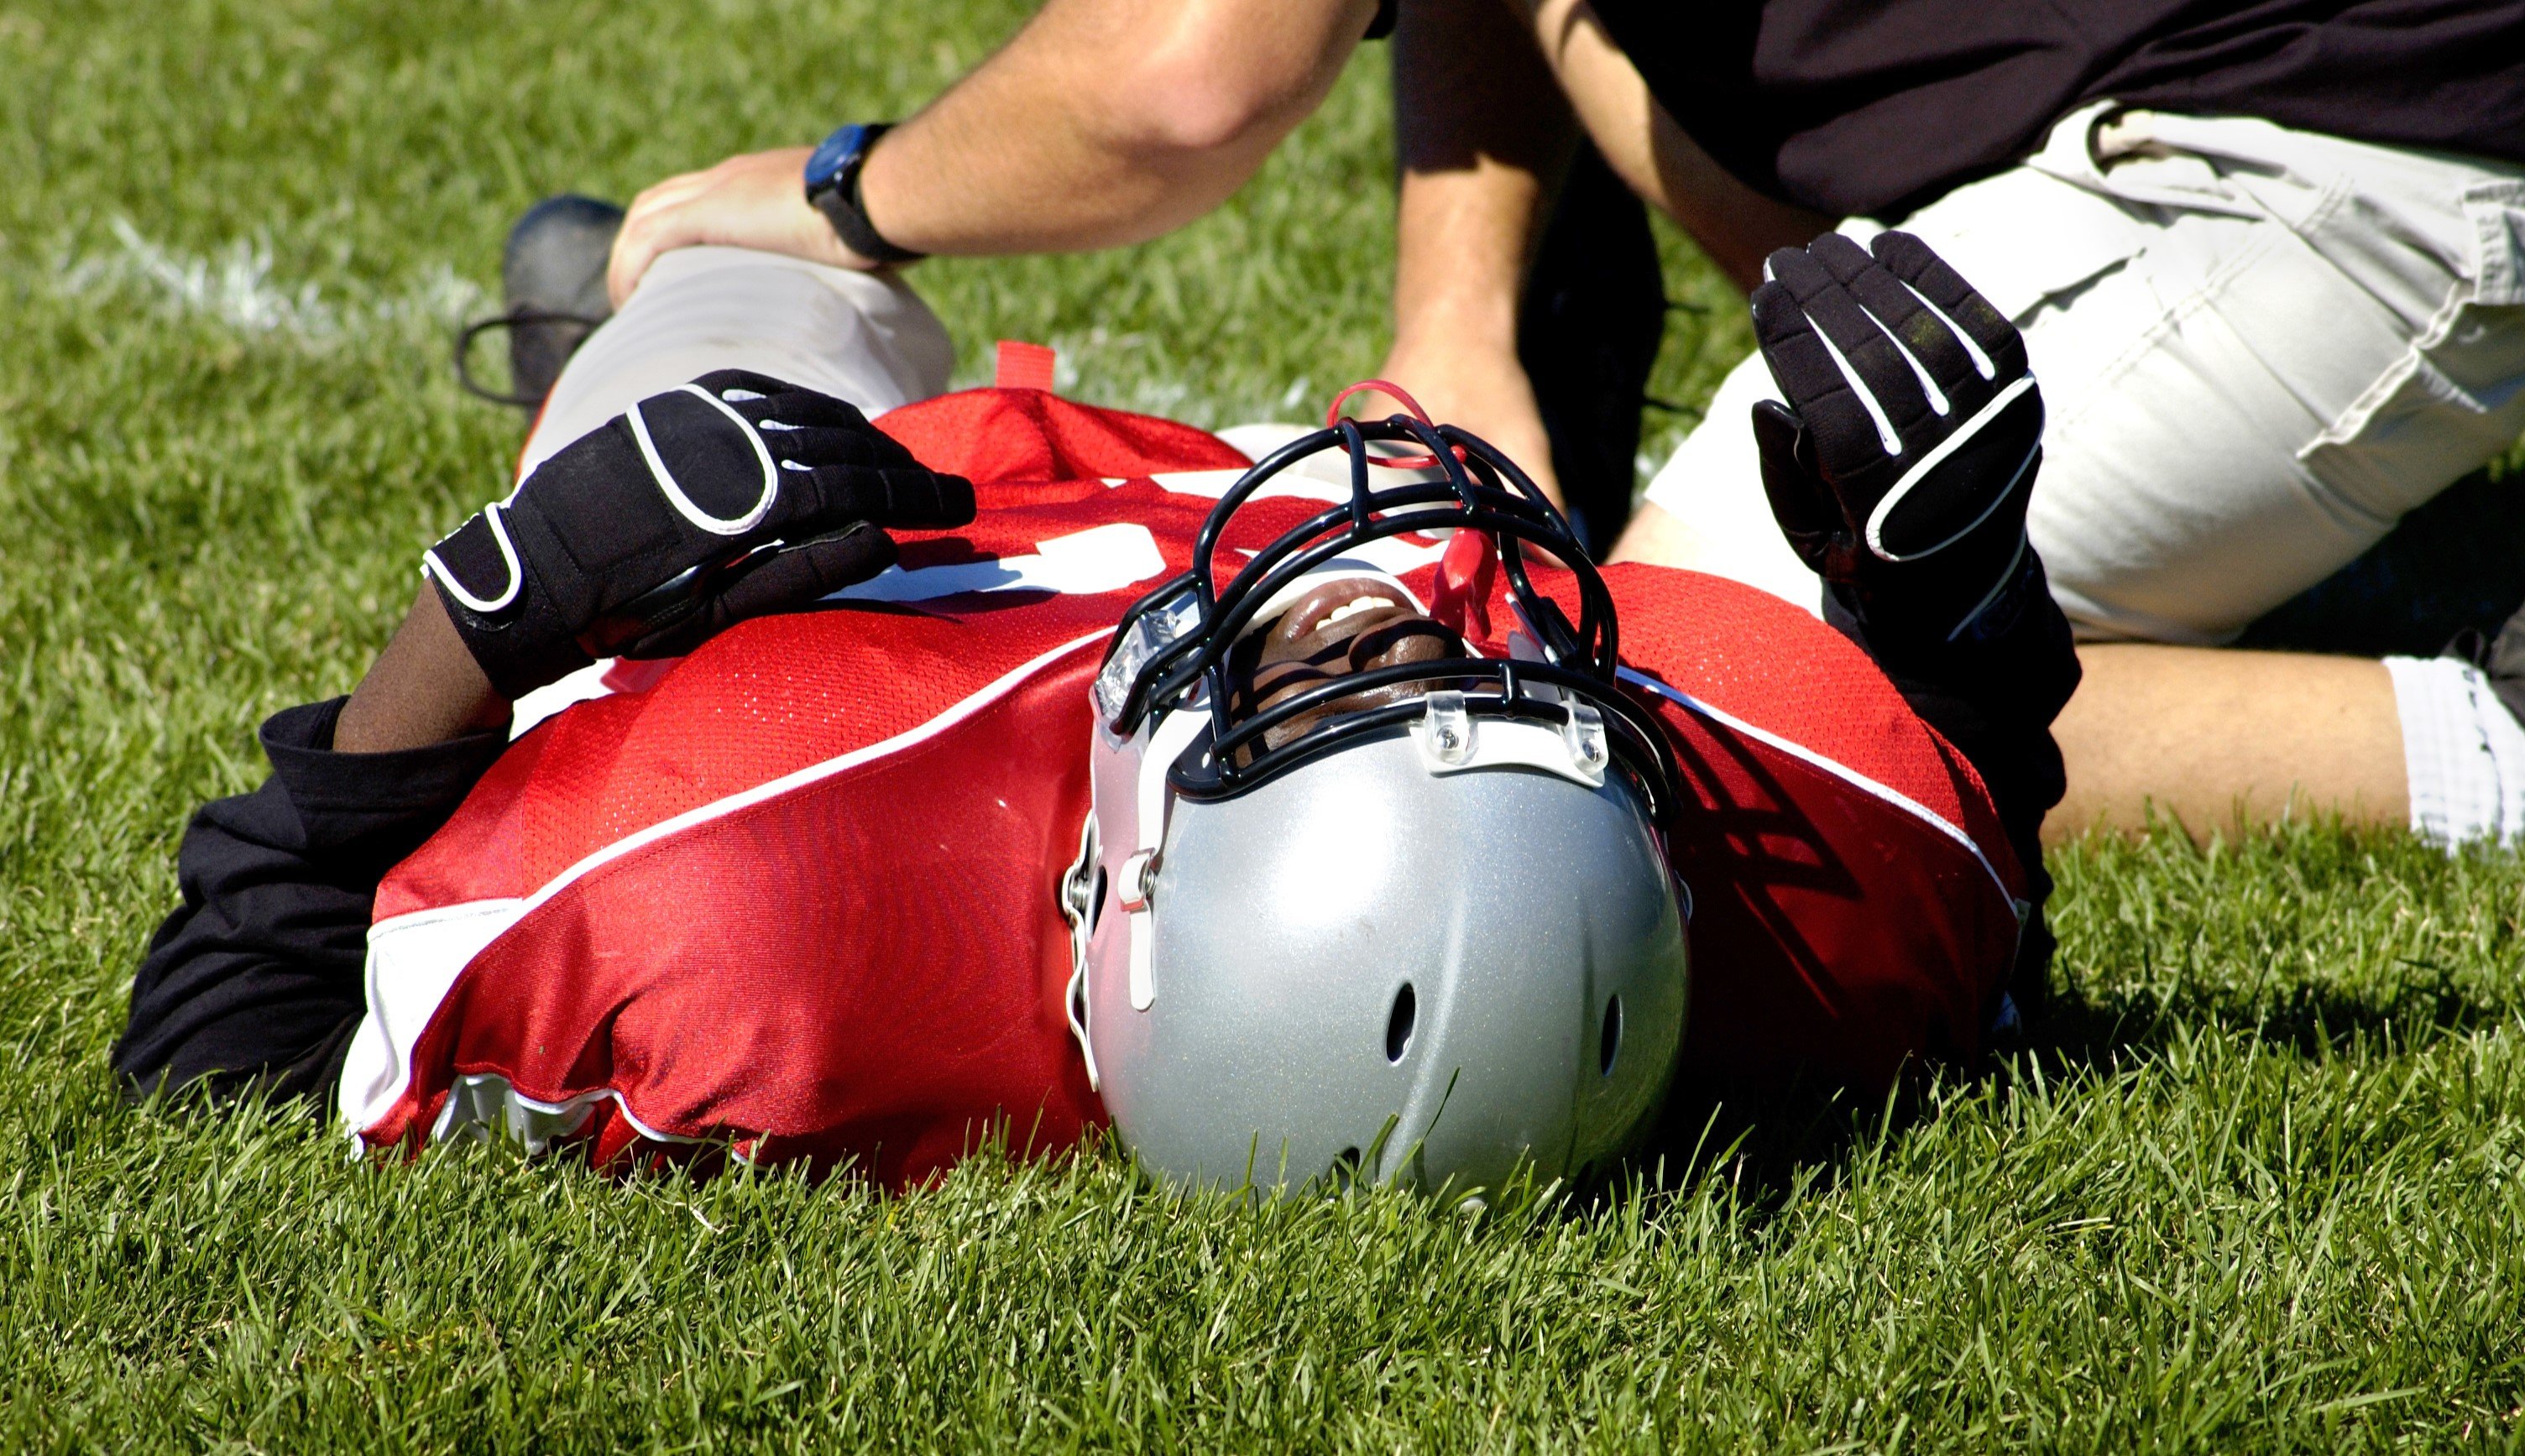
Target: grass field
{"x":2259,"y":1184}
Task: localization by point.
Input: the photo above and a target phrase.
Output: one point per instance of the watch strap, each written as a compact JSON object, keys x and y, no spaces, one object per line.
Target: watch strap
{"x":837,"y":195}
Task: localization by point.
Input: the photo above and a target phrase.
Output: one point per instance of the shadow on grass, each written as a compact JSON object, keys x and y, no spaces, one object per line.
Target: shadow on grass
{"x":1775,"y":1145}
{"x":1769,"y":1146}
{"x":1773,"y":1148}
{"x":2079,"y":1033}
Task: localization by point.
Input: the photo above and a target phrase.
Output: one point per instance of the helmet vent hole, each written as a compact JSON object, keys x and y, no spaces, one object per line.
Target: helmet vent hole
{"x":1398,"y":1025}
{"x":1609,"y":1044}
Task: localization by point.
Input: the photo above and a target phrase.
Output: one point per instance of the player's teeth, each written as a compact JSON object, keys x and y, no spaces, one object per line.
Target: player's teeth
{"x":1353,"y":608}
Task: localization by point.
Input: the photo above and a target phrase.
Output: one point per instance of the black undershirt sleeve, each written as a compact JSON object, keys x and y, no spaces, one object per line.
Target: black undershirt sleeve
{"x":255,"y":982}
{"x":1995,"y":700}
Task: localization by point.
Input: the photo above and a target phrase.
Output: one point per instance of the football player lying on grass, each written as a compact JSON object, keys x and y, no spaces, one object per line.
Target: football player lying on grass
{"x":1305,"y":819}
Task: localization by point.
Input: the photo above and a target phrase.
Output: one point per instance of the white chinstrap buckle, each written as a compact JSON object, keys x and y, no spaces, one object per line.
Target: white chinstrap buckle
{"x":1447,"y":729}
{"x":1584,"y":732}
{"x":1452,"y":740}
{"x":1078,"y":908}
{"x":1139,"y":877}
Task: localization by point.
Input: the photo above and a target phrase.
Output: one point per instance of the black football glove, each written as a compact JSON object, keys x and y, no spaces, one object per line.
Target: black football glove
{"x":1901,"y":465}
{"x":723,"y":499}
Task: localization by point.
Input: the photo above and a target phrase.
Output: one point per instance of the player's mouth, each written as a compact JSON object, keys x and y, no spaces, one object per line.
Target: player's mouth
{"x":1338,"y":629}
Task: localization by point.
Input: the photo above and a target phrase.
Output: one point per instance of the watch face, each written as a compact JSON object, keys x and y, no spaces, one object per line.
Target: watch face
{"x":829,"y":156}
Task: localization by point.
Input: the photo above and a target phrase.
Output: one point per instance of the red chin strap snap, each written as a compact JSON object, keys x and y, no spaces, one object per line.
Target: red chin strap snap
{"x":1461,"y":599}
{"x":1469,"y":569}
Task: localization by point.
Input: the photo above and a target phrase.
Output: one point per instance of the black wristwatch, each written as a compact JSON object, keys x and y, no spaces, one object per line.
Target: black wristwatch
{"x":834,"y":188}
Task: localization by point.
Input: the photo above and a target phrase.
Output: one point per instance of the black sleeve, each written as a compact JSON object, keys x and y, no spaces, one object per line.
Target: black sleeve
{"x":1995,"y":699}
{"x":255,"y":982}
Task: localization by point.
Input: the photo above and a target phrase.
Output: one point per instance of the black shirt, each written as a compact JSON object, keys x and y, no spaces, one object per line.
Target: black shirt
{"x":255,"y":982}
{"x":1876,"y":107}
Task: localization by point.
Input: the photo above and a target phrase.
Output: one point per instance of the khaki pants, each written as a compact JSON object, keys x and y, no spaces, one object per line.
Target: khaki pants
{"x":2259,"y":347}
{"x":862,"y":337}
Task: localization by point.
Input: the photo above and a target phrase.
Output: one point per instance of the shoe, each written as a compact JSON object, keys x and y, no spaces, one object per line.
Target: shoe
{"x":552,"y":277}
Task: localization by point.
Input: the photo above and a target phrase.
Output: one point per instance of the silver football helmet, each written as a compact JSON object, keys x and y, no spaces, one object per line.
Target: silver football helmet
{"x":1423,"y":941}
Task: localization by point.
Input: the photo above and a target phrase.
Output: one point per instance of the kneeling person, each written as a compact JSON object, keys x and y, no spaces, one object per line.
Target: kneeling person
{"x":1298,"y":821}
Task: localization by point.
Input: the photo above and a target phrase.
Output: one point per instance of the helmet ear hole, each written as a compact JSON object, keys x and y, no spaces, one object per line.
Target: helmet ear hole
{"x":1399,"y":1023}
{"x":1610,"y":1042}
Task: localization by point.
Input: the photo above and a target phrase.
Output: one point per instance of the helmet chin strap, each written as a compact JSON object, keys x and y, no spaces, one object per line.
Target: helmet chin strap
{"x":1333,"y":414}
{"x":1467,"y":574}
{"x":1158,"y":743}
{"x":1469,"y":568}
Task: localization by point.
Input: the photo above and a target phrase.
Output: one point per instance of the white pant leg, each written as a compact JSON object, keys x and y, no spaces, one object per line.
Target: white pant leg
{"x":2258,"y":347}
{"x":862,"y":337}
{"x":1712,"y":486}
{"x":2305,"y":369}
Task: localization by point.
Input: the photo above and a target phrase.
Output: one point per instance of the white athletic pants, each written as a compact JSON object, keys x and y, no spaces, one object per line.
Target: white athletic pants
{"x":862,"y":337}
{"x":2259,"y":347}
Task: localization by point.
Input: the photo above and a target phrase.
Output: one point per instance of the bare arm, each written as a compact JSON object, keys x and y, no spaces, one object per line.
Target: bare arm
{"x":1481,"y":137}
{"x":1736,"y":226}
{"x":1482,"y":141}
{"x":1104,"y":122}
{"x":423,"y":689}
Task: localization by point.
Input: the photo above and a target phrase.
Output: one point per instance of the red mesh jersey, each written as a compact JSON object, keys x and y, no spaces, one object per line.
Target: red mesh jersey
{"x":795,"y":899}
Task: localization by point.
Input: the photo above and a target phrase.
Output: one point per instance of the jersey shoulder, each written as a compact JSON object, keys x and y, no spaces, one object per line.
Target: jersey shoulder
{"x":766,"y":701}
{"x":1762,"y":667}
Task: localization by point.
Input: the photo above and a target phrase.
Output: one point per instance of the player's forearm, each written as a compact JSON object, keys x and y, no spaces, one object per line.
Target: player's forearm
{"x":425,"y":689}
{"x":1481,"y":137}
{"x":1108,"y":121}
